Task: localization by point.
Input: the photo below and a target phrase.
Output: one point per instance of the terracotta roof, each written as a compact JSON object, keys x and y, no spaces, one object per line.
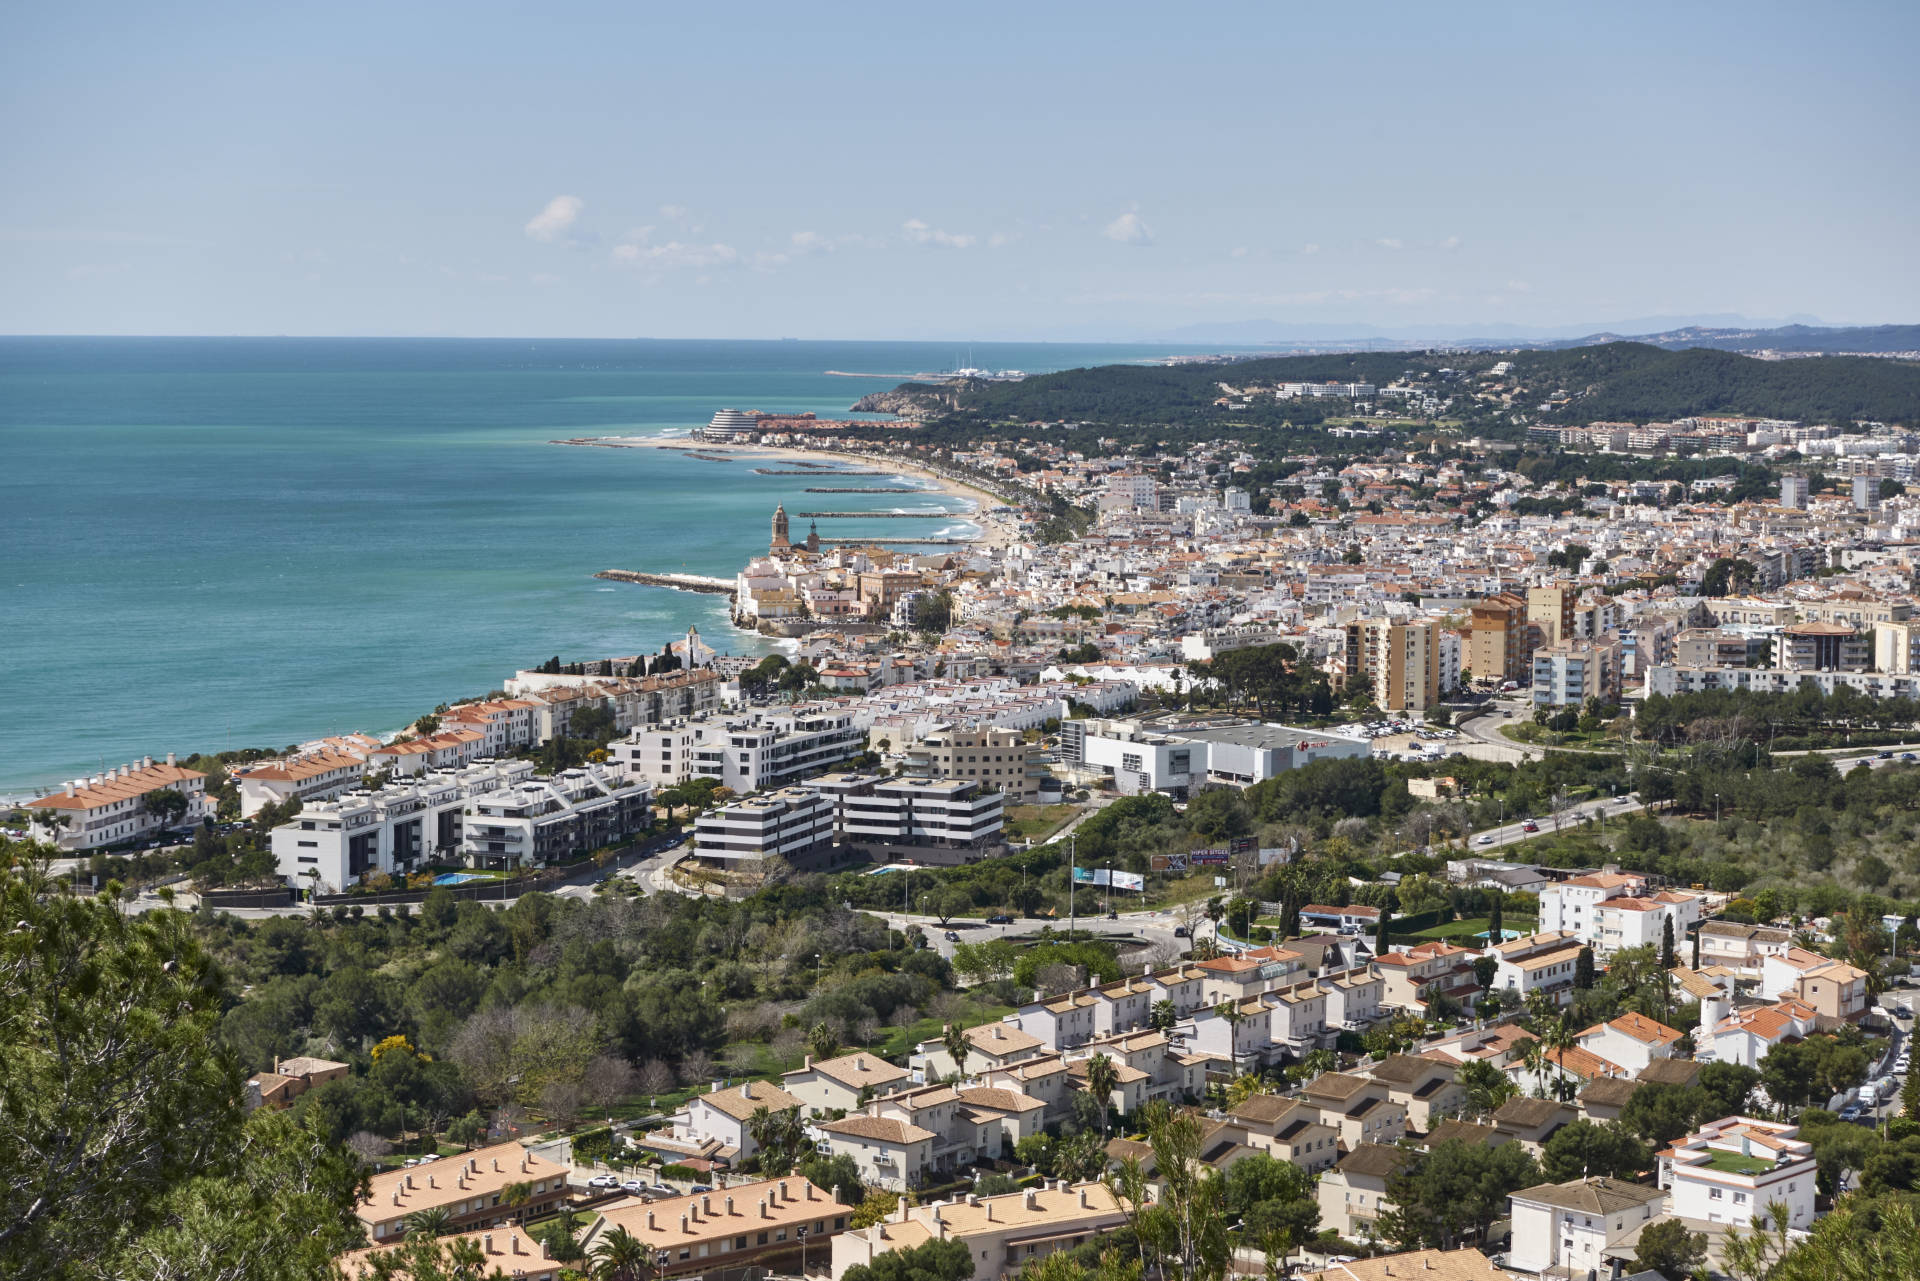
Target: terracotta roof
{"x":741,"y":1101}
{"x":855,"y":1070}
{"x":1375,"y":1159}
{"x":1335,"y":1085}
{"x":483,"y":1171}
{"x":1670,"y":1072}
{"x":1609,"y":1092}
{"x":1639,"y":1027}
{"x":119,"y":787}
{"x":1463,"y":1132}
{"x":883,"y":1129}
{"x":1530,"y":1114}
{"x":1593,"y":1196}
{"x":707,"y":1217}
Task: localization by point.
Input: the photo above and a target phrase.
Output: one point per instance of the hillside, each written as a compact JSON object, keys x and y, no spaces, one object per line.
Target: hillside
{"x":1616,"y":381}
{"x":1633,"y":382}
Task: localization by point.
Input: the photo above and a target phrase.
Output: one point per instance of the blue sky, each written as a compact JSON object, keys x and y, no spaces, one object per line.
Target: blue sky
{"x":1106,"y":171}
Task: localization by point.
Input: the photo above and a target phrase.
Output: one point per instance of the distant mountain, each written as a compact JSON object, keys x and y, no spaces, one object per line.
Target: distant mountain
{"x":1290,"y":334}
{"x":1805,"y":339}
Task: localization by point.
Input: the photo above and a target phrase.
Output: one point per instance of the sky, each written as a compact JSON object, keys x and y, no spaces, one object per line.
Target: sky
{"x":1107,"y":171}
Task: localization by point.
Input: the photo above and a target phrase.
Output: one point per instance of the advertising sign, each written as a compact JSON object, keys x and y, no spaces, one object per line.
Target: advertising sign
{"x":1129,"y":881}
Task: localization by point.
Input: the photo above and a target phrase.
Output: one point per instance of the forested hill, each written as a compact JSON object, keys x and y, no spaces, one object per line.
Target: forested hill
{"x":1620,"y":381}
{"x":1632,"y":382}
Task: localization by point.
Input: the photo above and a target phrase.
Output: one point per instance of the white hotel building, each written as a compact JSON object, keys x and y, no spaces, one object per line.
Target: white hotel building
{"x":490,"y":815}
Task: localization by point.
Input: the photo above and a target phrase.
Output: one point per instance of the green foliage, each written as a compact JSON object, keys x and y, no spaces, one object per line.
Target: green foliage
{"x":939,"y":1260}
{"x":1456,"y":1189}
{"x":1667,"y":1247}
{"x":124,"y":1145}
{"x":1582,"y":1149}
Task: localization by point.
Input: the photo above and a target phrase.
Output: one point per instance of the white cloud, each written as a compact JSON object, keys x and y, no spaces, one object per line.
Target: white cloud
{"x":1128,"y":229}
{"x":1239,"y":251}
{"x":922,"y":234}
{"x":1309,"y":250}
{"x":1388,"y":242}
{"x":674,"y":254}
{"x":1519,"y":286}
{"x":674,"y":213}
{"x":1450,"y":244}
{"x":553,"y":222}
{"x":809,"y":242}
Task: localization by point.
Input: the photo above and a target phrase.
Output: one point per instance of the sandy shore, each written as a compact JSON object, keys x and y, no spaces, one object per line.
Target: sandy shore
{"x":994,"y":531}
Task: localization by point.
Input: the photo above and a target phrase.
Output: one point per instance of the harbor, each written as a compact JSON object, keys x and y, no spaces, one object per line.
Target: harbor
{"x":679,"y":582}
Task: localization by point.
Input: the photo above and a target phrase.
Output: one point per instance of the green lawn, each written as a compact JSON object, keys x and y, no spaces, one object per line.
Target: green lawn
{"x":1037,"y":822}
{"x":900,"y":1041}
{"x":1734,"y":1163}
{"x":1472,"y":926}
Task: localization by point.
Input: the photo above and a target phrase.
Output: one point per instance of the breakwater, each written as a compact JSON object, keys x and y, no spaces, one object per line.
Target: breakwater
{"x":679,"y":582}
{"x":934,"y":515}
{"x":871,"y":489}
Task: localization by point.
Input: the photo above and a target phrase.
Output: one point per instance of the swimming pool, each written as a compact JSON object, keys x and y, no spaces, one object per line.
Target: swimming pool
{"x":457,"y":878}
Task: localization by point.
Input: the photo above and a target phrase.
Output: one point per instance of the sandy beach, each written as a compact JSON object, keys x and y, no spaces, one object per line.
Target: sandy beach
{"x":995,"y":531}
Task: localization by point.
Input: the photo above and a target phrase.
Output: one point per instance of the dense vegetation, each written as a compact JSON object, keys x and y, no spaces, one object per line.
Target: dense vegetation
{"x":1633,"y":382}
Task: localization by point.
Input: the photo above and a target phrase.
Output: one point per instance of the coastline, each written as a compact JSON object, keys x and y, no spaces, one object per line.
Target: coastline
{"x":994,"y":531}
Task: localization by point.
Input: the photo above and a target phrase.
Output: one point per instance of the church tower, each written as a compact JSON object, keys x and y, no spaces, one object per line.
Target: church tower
{"x":813,"y":536}
{"x":780,"y":542}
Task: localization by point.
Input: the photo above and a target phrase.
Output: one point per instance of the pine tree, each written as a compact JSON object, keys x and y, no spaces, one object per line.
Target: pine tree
{"x":1583,"y":970}
{"x":1495,"y":933}
{"x":1380,"y":944}
{"x":1667,"y":959}
{"x":1910,"y":1097}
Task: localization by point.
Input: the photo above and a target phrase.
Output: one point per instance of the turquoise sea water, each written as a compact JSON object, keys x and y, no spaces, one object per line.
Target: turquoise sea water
{"x":208,"y":543}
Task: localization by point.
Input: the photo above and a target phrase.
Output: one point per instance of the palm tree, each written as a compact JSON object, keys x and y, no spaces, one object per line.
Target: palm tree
{"x":955,"y":1038}
{"x":1102,"y":1079}
{"x":433,"y":1221}
{"x":466,"y":1260}
{"x":823,"y":1041}
{"x":1235,"y":1016}
{"x":1534,"y":1059}
{"x":516,"y":1197}
{"x":1560,"y":1038}
{"x":621,"y":1256}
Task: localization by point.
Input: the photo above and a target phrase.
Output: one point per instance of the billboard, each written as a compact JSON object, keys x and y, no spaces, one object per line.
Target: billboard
{"x":1085,"y":876}
{"x":1203,"y":857}
{"x":1129,"y":881}
{"x":1169,"y":862}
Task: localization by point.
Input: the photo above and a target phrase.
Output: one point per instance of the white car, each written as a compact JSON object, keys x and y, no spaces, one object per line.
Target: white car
{"x":1485,"y":840}
{"x":603,"y":1181}
{"x":634,"y":1186}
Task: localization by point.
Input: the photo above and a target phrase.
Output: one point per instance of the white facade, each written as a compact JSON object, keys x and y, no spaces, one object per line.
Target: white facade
{"x":747,"y":752}
{"x":1733,"y":1169}
{"x":791,"y":824}
{"x":110,"y":808}
{"x":1577,"y":1226}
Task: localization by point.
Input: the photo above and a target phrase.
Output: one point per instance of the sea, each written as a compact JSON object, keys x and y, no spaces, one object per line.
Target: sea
{"x":214,"y":543}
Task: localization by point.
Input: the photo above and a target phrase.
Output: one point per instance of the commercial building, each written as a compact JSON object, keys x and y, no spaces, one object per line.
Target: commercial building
{"x":947,"y":813}
{"x":1140,"y":758}
{"x":111,"y":808}
{"x":468,"y":1189}
{"x":1822,"y":647}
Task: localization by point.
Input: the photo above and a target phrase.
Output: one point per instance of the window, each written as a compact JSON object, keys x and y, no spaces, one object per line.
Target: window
{"x":1713,"y":1194}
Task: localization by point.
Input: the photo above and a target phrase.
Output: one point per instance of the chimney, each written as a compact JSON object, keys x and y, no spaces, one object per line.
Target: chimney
{"x":486,"y":1242}
{"x":729,"y":1207}
{"x":431,"y":1183}
{"x":409,"y":1182}
{"x":860,"y":1064}
{"x":1033,"y":1199}
{"x":546,"y":1251}
{"x":746,"y":1089}
{"x":763,"y":1207}
{"x":988,"y":1207}
{"x":683,"y":1223}
{"x":513,"y":1242}
{"x":651,"y":1226}
{"x":806,"y":1063}
{"x":1083,"y":1199}
{"x":169,"y":758}
{"x":706,"y":1206}
{"x":496,"y":1165}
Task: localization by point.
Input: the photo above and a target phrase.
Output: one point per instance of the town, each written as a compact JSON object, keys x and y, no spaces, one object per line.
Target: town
{"x":1478,"y":850}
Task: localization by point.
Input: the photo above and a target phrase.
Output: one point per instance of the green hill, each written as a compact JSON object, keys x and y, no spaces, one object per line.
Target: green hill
{"x":1633,"y":382}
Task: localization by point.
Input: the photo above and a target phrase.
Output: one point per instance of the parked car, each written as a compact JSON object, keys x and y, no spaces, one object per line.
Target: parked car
{"x":1002,"y":919}
{"x":603,"y":1181}
{"x":634,"y":1186}
{"x":1180,"y":931}
{"x":952,"y":937}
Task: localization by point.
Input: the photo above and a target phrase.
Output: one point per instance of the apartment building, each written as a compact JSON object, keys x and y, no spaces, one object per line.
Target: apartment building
{"x":794,"y":824}
{"x":1289,"y":1129}
{"x":1542,"y":962}
{"x":309,"y":776}
{"x":1731,"y":1170}
{"x":290,"y":1079}
{"x":1822,"y":647}
{"x":1409,"y":974}
{"x":1631,"y":1041}
{"x":1359,"y":1108}
{"x":1424,"y":1088}
{"x":507,"y":1250}
{"x":1401,"y":659}
{"x":1694,"y":680}
{"x":468,"y":1189}
{"x":1501,"y":644}
{"x":1550,"y":610}
{"x":491,"y":815}
{"x":1570,"y":905}
{"x":1000,"y":759}
{"x":110,"y":808}
{"x":748,"y":753}
{"x":1569,"y":673}
{"x":945,"y":813}
{"x":1003,"y":1233}
{"x":749,"y":1226}
{"x":989,"y":1046}
{"x":714,"y":1125}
